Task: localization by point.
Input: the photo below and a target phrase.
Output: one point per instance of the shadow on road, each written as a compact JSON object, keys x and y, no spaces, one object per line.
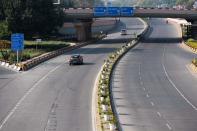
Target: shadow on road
{"x":148,"y":39}
{"x":162,"y":40}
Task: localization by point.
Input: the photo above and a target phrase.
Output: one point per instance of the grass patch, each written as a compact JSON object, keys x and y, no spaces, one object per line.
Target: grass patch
{"x":33,"y":49}
{"x":194,"y":61}
{"x":192,"y":43}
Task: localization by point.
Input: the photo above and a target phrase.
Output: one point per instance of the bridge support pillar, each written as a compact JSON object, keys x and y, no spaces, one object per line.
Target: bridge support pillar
{"x":84,"y":30}
{"x":192,"y":29}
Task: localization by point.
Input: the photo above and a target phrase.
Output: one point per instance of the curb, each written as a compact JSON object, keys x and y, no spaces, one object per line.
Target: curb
{"x":108,"y":115}
{"x":106,"y":107}
{"x":8,"y":66}
{"x":26,"y":65}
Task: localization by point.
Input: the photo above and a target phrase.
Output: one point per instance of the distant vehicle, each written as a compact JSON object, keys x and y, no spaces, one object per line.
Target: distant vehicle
{"x":166,"y":21}
{"x":123,"y":32}
{"x":76,"y":59}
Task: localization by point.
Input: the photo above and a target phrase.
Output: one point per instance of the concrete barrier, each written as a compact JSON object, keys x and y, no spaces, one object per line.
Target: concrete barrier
{"x":44,"y":57}
{"x":104,"y":87}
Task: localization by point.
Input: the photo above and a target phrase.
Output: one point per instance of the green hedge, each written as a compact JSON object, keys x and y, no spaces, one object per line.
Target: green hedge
{"x":194,"y":61}
{"x":192,"y":43}
{"x":32,"y":49}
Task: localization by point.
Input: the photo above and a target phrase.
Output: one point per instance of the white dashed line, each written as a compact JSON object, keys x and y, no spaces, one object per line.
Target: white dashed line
{"x":164,"y":68}
{"x":169,"y":127}
{"x":147,"y":96}
{"x":141,"y":83}
{"x":144,"y":89}
{"x":23,"y":98}
{"x":159,"y":114}
{"x":140,"y":78}
{"x":152,"y":103}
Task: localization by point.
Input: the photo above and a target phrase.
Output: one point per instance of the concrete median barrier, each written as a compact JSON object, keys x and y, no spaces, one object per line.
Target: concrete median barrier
{"x":108,"y":117}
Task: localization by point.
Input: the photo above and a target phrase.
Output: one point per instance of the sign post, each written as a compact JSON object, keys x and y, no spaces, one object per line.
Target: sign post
{"x":17,"y":43}
{"x":37,"y":42}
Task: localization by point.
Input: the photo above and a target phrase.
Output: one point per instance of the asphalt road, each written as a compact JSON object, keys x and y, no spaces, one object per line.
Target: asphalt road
{"x":152,"y":87}
{"x":55,"y":96}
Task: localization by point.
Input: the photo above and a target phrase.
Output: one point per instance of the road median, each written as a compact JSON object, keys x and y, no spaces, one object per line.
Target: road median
{"x":104,"y":105}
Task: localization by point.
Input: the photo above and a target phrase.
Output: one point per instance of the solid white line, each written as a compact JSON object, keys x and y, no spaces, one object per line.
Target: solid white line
{"x":169,"y":127}
{"x":94,"y":128}
{"x":159,"y":114}
{"x":164,"y":68}
{"x":26,"y":94}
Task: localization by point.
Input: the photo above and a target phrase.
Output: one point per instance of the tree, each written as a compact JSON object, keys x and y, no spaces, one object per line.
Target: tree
{"x":32,"y":16}
{"x":4,"y":31}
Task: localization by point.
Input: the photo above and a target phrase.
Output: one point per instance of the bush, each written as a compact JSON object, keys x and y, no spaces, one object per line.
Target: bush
{"x":12,"y":58}
{"x":192,"y":43}
{"x":194,"y":61}
{"x":191,"y":40}
{"x":25,"y":56}
{"x":5,"y":44}
{"x":4,"y":31}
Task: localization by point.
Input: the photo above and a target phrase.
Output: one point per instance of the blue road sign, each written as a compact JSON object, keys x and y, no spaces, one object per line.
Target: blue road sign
{"x":127,"y":11}
{"x":17,"y":42}
{"x":113,"y":11}
{"x":100,"y":11}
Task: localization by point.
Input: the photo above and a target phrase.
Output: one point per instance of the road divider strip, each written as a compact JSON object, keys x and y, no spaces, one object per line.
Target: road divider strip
{"x":105,"y":105}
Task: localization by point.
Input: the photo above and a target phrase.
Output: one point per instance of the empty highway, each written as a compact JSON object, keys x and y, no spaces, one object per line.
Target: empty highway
{"x":55,"y":96}
{"x":152,"y":87}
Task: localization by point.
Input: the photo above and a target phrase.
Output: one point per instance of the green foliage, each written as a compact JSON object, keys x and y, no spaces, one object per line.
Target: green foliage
{"x":5,"y":54}
{"x":4,"y":31}
{"x":194,"y":61}
{"x":31,"y":16}
{"x":187,"y":3}
{"x":192,"y":43}
{"x":170,"y":3}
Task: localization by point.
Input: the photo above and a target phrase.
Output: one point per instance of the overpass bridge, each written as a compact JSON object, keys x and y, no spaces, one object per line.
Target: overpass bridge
{"x":83,"y":17}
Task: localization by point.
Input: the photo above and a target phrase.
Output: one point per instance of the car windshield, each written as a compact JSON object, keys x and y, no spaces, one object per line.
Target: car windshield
{"x":75,"y":56}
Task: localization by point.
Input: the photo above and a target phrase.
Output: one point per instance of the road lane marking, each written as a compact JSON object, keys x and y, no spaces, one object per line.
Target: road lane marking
{"x":169,"y":127}
{"x":140,"y":78}
{"x":159,"y":114}
{"x":141,"y":83}
{"x":152,"y":103}
{"x":169,"y":79}
{"x":25,"y":96}
{"x":147,"y":96}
